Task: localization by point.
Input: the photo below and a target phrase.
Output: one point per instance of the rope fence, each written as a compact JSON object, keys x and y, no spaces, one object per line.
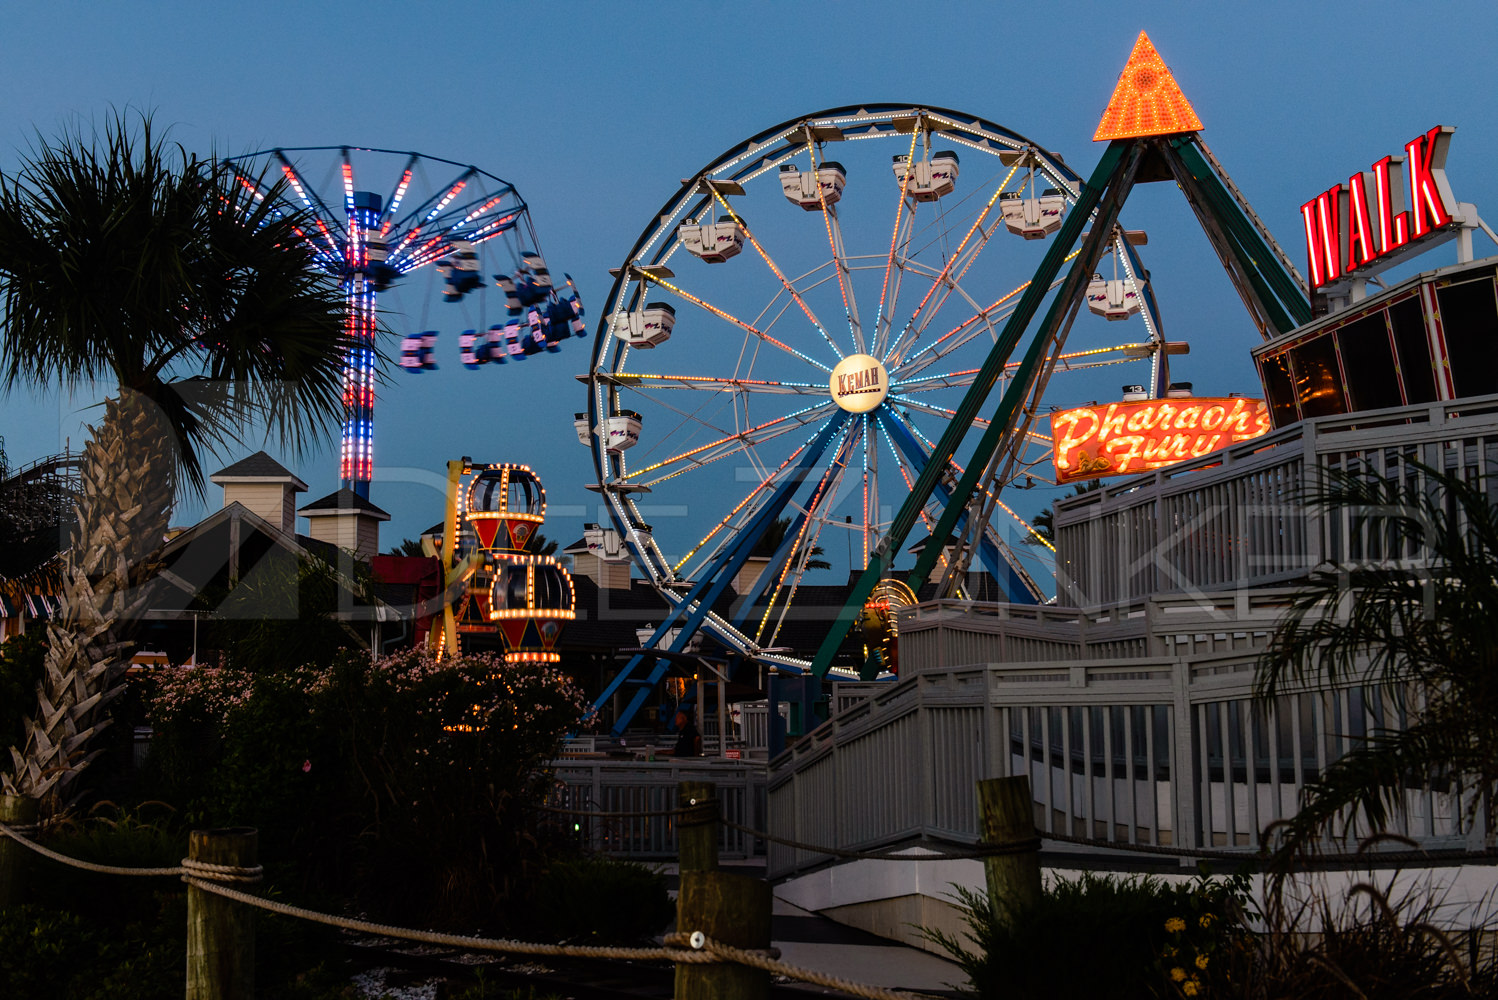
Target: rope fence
{"x":683,"y":948}
{"x":1021,"y":847}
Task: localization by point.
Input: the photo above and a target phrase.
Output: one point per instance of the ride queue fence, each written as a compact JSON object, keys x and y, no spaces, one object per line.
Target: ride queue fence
{"x":623,"y":808}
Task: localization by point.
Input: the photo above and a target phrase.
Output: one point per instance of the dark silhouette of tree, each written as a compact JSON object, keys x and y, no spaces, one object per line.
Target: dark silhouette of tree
{"x":1043,"y":523}
{"x":769,"y":543}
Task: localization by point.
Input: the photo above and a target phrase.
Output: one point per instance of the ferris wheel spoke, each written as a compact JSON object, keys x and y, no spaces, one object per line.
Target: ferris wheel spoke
{"x":885,"y":305}
{"x":748,"y":509}
{"x":796,"y":551}
{"x":982,"y":320}
{"x":763,"y":486}
{"x":747,"y":327}
{"x":645,"y":381}
{"x":731,"y":443}
{"x":961,"y":259}
{"x":785,"y":283}
{"x":839,"y":256}
{"x":938,"y":411}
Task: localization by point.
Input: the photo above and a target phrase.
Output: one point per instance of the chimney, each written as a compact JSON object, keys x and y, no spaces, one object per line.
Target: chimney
{"x":346,"y":520}
{"x":264,"y":487}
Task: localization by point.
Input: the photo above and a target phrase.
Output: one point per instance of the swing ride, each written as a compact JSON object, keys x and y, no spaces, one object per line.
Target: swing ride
{"x":425,"y":211}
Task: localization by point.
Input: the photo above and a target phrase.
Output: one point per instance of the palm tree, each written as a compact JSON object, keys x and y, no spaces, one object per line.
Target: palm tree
{"x":769,"y":543}
{"x":147,"y":268}
{"x":1411,"y":613}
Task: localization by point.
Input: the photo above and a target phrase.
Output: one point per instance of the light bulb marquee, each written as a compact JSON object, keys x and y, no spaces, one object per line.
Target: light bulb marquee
{"x":1147,"y":100}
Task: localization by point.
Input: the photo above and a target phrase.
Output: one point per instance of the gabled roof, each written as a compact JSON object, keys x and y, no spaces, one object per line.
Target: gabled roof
{"x":341,"y":501}
{"x":258,"y":468}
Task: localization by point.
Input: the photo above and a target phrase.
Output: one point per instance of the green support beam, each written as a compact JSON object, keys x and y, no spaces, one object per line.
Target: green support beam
{"x":1103,"y":176}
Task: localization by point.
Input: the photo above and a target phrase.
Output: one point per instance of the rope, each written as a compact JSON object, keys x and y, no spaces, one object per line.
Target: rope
{"x":188,"y":867}
{"x":700,"y":950}
{"x":759,"y":960}
{"x":596,"y":814}
{"x":507,"y":945}
{"x":1027,"y":846}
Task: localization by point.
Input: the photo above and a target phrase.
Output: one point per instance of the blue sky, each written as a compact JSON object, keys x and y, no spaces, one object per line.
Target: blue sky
{"x":596,"y":110}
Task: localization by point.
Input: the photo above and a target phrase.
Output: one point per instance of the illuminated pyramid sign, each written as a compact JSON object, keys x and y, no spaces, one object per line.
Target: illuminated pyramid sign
{"x":1147,"y":100}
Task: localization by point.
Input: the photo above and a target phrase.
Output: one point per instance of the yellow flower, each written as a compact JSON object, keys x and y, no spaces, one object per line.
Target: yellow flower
{"x":1174,"y":925}
{"x":1177,"y":974}
{"x":1206,"y":920}
{"x":1201,"y":961}
{"x":1190,"y":989}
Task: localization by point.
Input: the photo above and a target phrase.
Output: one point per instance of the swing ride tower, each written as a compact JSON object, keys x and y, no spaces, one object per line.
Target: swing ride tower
{"x":377,"y":216}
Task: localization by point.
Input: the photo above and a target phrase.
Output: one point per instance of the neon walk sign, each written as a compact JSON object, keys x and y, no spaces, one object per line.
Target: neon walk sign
{"x":1353,"y":230}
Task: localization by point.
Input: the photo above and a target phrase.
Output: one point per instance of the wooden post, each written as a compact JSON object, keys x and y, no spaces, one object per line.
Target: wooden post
{"x":1006,"y":818}
{"x":220,"y":932}
{"x":730,"y":909}
{"x":18,"y":812}
{"x":697,"y":832}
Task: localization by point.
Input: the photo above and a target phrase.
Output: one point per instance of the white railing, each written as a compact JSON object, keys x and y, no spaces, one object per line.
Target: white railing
{"x":636,"y":787}
{"x":1168,"y":751}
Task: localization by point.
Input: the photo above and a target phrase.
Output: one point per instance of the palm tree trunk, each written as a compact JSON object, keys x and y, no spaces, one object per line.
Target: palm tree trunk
{"x":128,"y":474}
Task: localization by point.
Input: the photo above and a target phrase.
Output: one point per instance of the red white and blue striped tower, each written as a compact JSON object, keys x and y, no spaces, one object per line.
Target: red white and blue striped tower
{"x":377,"y":238}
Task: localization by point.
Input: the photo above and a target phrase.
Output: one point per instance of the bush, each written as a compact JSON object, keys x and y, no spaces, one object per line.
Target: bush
{"x":1099,"y":936}
{"x":21,"y":669}
{"x":402,"y":783}
{"x":601,"y":901}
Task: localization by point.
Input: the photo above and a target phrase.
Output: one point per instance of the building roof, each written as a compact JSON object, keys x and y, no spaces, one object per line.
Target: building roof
{"x":342,"y":501}
{"x":259,"y":467}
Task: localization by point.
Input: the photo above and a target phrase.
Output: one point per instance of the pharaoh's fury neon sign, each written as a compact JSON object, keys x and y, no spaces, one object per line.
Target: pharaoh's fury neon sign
{"x":1353,"y":229}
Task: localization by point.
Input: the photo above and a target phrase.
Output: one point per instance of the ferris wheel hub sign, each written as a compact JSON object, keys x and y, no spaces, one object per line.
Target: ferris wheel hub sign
{"x":859,"y":383}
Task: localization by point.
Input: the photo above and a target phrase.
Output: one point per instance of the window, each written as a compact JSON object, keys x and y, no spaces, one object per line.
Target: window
{"x":1368,"y":360}
{"x":1318,"y":381}
{"x":1275,"y":374}
{"x":1415,"y":366}
{"x":1469,"y":319}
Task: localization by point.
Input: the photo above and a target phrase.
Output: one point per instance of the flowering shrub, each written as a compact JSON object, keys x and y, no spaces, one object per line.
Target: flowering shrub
{"x":1206,"y":945}
{"x":402,"y":780}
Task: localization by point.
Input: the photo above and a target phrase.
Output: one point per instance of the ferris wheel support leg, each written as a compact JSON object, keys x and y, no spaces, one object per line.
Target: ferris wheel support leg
{"x":688,"y":615}
{"x":988,"y":553}
{"x":1113,"y":176}
{"x":1277,"y":291}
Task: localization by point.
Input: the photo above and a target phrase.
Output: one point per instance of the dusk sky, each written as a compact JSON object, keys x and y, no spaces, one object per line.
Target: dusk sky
{"x":595,"y":111}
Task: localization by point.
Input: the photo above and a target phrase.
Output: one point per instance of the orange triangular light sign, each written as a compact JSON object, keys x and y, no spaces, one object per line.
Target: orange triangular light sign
{"x":1147,"y":100}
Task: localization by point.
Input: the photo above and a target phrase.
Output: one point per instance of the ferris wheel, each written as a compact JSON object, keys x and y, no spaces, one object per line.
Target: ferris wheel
{"x":792,"y":330}
{"x":377,"y":215}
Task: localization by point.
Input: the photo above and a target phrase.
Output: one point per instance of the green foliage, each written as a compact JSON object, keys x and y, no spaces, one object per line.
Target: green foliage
{"x":283,"y":614}
{"x":482,"y":989}
{"x":1120,"y":923}
{"x":602,"y":901}
{"x":402,"y":783}
{"x":1373,"y":946}
{"x":1411,"y":613}
{"x":21,"y":667}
